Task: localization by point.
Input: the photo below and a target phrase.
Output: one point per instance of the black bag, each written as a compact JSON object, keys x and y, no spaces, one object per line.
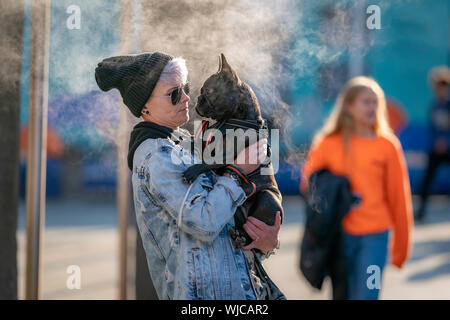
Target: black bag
{"x":322,"y":254}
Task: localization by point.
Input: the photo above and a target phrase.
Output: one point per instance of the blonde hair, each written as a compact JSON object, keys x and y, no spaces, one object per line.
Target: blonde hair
{"x":339,"y":121}
{"x":439,"y":73}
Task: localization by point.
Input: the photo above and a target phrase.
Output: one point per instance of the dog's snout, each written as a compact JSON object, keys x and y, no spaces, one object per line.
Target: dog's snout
{"x":198,"y":111}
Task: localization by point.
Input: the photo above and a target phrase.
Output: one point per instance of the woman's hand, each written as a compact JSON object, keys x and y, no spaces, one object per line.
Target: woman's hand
{"x":249,"y":159}
{"x":265,"y":237}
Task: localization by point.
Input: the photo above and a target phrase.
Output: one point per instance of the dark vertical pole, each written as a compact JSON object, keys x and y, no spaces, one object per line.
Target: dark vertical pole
{"x":129,"y":43}
{"x":11,"y":24}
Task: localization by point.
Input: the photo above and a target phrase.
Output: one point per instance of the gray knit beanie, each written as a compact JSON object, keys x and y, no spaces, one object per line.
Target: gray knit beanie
{"x":135,"y":76}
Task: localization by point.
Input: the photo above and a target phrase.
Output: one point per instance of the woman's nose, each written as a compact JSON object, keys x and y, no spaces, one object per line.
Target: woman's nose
{"x":185,"y":97}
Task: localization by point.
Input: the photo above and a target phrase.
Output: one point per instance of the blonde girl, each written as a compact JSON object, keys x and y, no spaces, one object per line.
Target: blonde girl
{"x":357,"y":142}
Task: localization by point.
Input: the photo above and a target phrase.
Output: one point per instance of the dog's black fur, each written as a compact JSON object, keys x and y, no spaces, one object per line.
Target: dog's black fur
{"x":224,"y":96}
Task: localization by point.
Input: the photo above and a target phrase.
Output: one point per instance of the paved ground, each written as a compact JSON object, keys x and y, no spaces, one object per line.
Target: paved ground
{"x":84,"y":233}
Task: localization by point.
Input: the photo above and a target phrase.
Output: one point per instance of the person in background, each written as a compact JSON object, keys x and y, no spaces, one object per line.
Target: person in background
{"x":357,"y":142}
{"x":439,"y":129}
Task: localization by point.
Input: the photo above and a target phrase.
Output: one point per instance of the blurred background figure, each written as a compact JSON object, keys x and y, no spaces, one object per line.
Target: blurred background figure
{"x":357,"y":142}
{"x":439,"y":152}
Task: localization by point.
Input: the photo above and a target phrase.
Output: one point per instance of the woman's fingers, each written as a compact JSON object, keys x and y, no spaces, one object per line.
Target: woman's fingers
{"x":253,"y":154}
{"x":256,"y":151}
{"x":278,"y":220}
{"x":262,"y":146}
{"x":264,"y":237}
{"x":262,"y":226}
{"x":252,"y":231}
{"x":258,"y":223}
{"x":262,"y":153}
{"x":255,"y":229}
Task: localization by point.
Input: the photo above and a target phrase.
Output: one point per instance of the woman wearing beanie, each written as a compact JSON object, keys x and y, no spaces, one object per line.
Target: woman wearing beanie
{"x":357,"y":142}
{"x":184,"y":227}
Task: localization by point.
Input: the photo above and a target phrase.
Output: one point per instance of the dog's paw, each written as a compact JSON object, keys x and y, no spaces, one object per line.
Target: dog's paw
{"x":186,"y":180}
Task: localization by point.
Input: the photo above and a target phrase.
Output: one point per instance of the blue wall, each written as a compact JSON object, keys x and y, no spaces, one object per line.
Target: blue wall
{"x":414,"y":37}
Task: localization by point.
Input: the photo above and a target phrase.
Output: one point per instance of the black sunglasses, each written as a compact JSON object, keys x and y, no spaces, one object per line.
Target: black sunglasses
{"x":176,"y":94}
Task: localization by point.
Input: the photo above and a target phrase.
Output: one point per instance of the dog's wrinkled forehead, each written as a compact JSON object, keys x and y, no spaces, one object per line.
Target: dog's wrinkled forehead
{"x":224,"y":95}
{"x":216,"y":80}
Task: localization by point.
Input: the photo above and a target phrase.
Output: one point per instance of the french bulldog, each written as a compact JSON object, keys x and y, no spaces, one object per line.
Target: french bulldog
{"x":224,"y":97}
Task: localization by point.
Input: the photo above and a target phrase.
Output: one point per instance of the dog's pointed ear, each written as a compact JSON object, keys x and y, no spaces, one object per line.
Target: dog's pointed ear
{"x":220,"y":63}
{"x":225,"y":68}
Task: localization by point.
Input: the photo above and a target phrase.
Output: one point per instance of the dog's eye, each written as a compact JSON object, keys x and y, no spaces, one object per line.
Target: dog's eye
{"x":210,"y":91}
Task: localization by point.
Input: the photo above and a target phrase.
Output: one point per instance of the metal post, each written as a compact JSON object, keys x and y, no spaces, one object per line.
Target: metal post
{"x":37,"y":144}
{"x":127,"y":232}
{"x":123,"y":203}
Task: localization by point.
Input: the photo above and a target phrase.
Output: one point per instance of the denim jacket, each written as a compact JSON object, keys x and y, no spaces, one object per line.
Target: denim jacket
{"x":190,"y":256}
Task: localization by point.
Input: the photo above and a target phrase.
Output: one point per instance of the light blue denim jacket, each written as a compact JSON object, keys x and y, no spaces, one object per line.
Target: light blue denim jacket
{"x":189,"y":256}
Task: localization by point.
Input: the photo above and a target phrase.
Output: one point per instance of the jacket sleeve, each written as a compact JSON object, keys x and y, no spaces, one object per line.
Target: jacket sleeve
{"x":399,"y":202}
{"x":201,"y":209}
{"x":315,"y":160}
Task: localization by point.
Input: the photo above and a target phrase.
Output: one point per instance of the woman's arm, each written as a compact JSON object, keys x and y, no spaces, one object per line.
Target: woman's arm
{"x":201,"y":209}
{"x":399,"y":202}
{"x":316,"y":159}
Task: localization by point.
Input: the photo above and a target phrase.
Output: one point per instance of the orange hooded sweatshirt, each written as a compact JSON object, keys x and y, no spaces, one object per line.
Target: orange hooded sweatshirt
{"x":377,"y":172}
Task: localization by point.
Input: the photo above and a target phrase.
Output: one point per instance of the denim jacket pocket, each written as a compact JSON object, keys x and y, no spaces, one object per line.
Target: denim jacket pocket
{"x":197,"y":276}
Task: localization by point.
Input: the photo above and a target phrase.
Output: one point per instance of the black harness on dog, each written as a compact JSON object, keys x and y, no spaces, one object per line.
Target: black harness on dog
{"x":222,"y":126}
{"x":230,"y":123}
{"x":259,"y":125}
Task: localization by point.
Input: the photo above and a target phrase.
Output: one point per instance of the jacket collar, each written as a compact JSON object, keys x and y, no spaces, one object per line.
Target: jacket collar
{"x":142,"y":131}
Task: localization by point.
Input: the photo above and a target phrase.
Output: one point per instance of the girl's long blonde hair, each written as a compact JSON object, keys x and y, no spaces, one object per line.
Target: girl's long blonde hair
{"x":339,"y":121}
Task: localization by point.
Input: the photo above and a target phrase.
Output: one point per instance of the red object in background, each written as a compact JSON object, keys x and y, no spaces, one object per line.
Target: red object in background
{"x":398,"y":120}
{"x":55,"y":146}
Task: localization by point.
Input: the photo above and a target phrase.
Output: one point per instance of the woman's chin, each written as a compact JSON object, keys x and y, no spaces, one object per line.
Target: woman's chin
{"x":185,"y":118}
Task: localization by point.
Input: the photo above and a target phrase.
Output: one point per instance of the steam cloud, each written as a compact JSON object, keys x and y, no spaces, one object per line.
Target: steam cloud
{"x":273,"y":45}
